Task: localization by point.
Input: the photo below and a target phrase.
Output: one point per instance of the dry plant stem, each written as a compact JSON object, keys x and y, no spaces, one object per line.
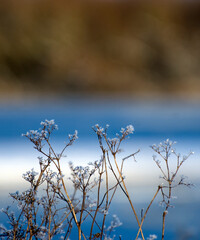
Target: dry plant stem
{"x":165,"y":212}
{"x":82,"y":209}
{"x":106,"y":194}
{"x":163,"y":224}
{"x":29,"y":227}
{"x":122,"y":179}
{"x":49,"y":212}
{"x":169,"y":194}
{"x":127,"y":194}
{"x":98,"y":198}
{"x":17,"y":224}
{"x":106,"y":207}
{"x":164,"y":151}
{"x":118,"y":180}
{"x":67,"y":235}
{"x":115,"y":187}
{"x":68,"y":230}
{"x":26,"y":232}
{"x":65,"y":190}
{"x":142,"y":221}
{"x":92,"y":218}
{"x":69,"y":200}
{"x":107,"y":188}
{"x":55,"y":228}
{"x":63,"y":183}
{"x":124,"y":189}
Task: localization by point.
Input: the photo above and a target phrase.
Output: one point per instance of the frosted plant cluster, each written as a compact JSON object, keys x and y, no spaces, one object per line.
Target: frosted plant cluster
{"x":59,"y":206}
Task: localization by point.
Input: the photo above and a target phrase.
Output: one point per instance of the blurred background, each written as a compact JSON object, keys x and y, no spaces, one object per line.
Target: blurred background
{"x":124,"y":47}
{"x":107,"y":62}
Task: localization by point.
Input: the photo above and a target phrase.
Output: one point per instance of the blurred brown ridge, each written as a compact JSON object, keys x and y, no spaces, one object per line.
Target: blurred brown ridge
{"x":131,"y":47}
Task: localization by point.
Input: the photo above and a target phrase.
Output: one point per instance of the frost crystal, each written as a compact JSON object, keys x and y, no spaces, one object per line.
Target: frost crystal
{"x":152,"y":237}
{"x":130,"y":129}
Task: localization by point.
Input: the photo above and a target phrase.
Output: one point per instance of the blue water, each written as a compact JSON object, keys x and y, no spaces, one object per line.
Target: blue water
{"x":154,"y":121}
{"x":165,"y":118}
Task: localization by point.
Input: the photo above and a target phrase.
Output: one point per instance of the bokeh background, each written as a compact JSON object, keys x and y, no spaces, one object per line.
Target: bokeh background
{"x":130,"y":47}
{"x":107,"y":62}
